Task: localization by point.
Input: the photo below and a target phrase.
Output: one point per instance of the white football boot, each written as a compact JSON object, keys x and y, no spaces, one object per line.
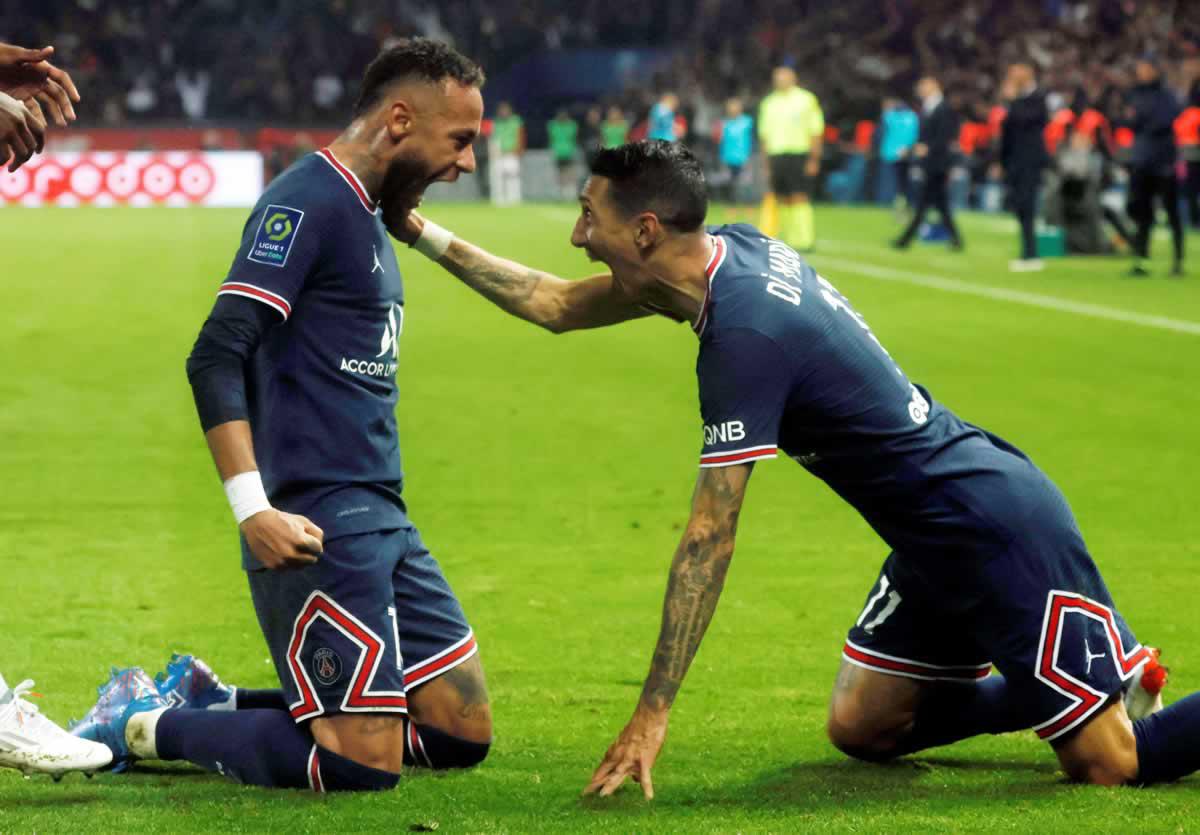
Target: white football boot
{"x":29,"y":742}
{"x":1143,"y":696}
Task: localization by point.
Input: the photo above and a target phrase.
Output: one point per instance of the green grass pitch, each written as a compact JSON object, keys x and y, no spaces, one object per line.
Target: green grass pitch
{"x":551,"y":476}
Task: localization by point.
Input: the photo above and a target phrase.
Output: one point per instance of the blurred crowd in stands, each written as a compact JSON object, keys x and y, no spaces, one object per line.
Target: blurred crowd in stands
{"x":297,"y":62}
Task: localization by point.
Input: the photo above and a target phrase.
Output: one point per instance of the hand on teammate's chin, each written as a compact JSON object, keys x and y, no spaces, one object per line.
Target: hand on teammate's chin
{"x":402,"y":221}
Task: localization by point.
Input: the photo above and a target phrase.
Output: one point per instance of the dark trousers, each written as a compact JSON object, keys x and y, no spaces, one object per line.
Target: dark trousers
{"x":1024,"y":184}
{"x":1144,"y":186}
{"x":932,"y":194}
{"x":1191,"y":193}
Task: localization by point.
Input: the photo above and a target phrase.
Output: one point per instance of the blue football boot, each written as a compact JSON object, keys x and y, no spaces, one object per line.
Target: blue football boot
{"x":127,"y":692}
{"x":189,"y":682}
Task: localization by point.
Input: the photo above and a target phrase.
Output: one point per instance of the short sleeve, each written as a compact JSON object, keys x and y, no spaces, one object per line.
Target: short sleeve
{"x":816,"y":117}
{"x":744,"y":383}
{"x":279,"y":250}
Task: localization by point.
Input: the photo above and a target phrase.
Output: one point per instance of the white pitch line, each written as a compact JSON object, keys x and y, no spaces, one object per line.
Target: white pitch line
{"x":1095,"y":311}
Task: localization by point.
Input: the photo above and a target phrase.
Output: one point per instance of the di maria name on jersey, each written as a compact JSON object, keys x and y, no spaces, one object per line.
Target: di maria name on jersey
{"x":322,"y":385}
{"x":786,"y":363}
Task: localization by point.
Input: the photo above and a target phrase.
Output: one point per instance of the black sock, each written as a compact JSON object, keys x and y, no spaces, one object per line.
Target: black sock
{"x":1168,"y":742}
{"x":247,"y":699}
{"x":257,"y":747}
{"x":957,"y":711}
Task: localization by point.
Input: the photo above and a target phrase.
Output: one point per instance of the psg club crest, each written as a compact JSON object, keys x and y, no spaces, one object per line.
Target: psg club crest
{"x":327,"y":666}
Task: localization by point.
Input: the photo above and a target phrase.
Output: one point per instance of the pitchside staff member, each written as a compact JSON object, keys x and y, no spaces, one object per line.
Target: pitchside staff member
{"x":933,"y":153}
{"x":1153,"y":110}
{"x":1023,"y":155}
{"x":791,"y":128}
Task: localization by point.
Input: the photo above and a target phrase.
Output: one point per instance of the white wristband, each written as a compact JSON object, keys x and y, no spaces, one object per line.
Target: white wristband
{"x":246,"y":495}
{"x":434,"y":241}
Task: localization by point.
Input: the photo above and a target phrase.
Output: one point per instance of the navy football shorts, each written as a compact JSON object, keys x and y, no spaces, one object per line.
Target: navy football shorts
{"x":1035,"y":608}
{"x":373,"y":618}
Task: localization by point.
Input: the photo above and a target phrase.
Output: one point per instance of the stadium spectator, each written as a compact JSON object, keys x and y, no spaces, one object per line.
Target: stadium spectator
{"x":933,"y":154}
{"x":1153,"y":110}
{"x":662,"y":123}
{"x":1187,"y":137}
{"x":508,"y":141}
{"x":1076,"y":207}
{"x":591,"y":137}
{"x":898,"y":130}
{"x":615,"y":130}
{"x":791,"y":127}
{"x":735,"y":146}
{"x":1023,"y":155}
{"x":564,"y":146}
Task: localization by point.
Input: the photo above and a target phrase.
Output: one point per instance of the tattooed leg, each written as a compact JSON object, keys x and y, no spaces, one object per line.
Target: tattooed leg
{"x":871,"y":712}
{"x":876,"y":716}
{"x":455,"y":702}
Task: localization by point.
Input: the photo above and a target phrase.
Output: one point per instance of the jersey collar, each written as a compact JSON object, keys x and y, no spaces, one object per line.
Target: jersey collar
{"x":349,"y":177}
{"x":710,"y":271}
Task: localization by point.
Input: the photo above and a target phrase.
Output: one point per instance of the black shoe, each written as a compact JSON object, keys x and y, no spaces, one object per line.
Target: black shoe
{"x":899,"y":243}
{"x":1177,"y":270}
{"x":1137,"y":271}
{"x":957,"y":246}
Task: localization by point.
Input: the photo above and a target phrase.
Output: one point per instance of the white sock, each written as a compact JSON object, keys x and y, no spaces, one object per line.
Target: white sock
{"x":140,"y":733}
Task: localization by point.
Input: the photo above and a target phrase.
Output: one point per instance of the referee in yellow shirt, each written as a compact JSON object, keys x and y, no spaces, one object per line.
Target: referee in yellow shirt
{"x":790,"y":127}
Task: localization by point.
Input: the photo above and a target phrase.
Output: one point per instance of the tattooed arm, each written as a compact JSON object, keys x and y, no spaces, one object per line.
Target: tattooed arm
{"x":553,"y":303}
{"x":693,"y":588}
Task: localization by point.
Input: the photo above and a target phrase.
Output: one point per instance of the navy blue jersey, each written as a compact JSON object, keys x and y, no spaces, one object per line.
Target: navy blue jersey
{"x":787,"y":364}
{"x":322,"y":385}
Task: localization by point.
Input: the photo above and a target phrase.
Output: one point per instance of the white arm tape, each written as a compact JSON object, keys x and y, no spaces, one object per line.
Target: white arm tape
{"x":434,"y":241}
{"x":246,"y":495}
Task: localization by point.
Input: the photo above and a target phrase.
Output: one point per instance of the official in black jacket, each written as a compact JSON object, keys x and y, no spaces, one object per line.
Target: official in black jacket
{"x":1152,"y":111}
{"x":1023,"y":155}
{"x":934,"y":153}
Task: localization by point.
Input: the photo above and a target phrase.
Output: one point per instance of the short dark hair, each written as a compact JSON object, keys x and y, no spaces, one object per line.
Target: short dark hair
{"x":656,"y":176}
{"x":420,"y":58}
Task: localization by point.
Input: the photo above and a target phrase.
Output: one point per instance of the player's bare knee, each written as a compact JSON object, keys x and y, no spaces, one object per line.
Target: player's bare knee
{"x":860,"y":740}
{"x":869,"y":713}
{"x":456,"y":703}
{"x":864,"y":735}
{"x":1103,"y":752}
{"x":1118,"y":769}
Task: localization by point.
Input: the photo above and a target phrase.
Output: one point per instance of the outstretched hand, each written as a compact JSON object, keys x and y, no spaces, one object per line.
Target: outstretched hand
{"x":632,"y":755}
{"x":26,"y":73}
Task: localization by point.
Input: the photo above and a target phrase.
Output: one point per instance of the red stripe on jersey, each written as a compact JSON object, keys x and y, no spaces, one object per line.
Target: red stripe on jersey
{"x":897,"y":666}
{"x":710,"y":269}
{"x":732,"y":457}
{"x":314,"y":771}
{"x":274,"y":299}
{"x":350,"y":178}
{"x":440,"y":665}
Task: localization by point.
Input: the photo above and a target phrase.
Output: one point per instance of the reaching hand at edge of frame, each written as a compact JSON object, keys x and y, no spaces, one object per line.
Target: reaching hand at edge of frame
{"x":22,"y":131}
{"x":26,"y":73}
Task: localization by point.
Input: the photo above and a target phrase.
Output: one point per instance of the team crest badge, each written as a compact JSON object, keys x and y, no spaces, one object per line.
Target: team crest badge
{"x":327,"y":666}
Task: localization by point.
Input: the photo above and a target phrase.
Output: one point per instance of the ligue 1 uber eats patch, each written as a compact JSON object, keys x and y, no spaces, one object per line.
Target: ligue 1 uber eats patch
{"x":273,"y":241}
